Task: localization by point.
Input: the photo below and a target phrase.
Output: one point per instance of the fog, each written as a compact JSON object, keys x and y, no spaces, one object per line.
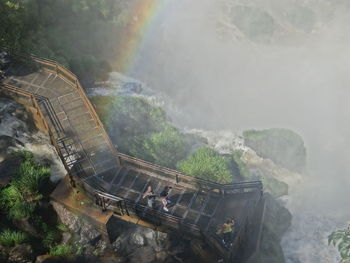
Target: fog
{"x":260,"y":64}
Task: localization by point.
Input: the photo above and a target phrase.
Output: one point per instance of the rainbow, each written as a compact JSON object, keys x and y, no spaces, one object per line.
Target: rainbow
{"x":144,"y":13}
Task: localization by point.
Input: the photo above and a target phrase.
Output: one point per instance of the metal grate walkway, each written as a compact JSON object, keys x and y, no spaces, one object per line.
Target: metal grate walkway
{"x":199,"y":206}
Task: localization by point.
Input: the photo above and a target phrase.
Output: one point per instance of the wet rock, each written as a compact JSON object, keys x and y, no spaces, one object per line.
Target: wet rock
{"x":143,"y":254}
{"x":21,"y":254}
{"x":86,"y":235}
{"x":137,"y":239}
{"x":276,"y":223}
{"x":66,"y":236}
{"x":284,"y":147}
{"x":26,"y":226}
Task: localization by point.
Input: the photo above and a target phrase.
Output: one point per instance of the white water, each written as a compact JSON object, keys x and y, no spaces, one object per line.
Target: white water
{"x":34,"y":141}
{"x":238,"y":64}
{"x":228,"y":67}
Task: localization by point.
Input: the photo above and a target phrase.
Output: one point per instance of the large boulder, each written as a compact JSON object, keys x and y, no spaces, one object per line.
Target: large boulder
{"x":284,"y":147}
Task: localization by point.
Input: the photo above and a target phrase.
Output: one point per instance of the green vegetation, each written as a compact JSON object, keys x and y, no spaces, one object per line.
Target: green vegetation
{"x":80,"y":34}
{"x":242,"y":168}
{"x":341,"y":240}
{"x":18,"y":199}
{"x":61,"y":250}
{"x":10,"y":238}
{"x":30,"y":221}
{"x":282,"y":146}
{"x":275,"y":187}
{"x":207,"y":164}
{"x":142,"y":130}
{"x":165,"y":148}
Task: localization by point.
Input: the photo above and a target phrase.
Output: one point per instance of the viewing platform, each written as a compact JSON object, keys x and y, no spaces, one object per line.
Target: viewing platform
{"x":115,"y":181}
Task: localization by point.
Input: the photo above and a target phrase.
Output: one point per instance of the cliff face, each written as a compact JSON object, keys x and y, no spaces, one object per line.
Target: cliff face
{"x":276,"y":223}
{"x":17,"y":132}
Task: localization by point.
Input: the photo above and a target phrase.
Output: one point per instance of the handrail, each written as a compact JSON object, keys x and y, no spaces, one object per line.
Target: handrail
{"x":138,"y":209}
{"x":181,"y":177}
{"x":35,"y":104}
{"x":151,"y":212}
{"x":71,"y":78}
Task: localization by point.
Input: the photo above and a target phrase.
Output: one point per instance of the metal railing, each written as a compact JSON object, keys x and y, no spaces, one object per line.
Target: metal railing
{"x":135,"y":209}
{"x":179,"y":178}
{"x":32,"y":101}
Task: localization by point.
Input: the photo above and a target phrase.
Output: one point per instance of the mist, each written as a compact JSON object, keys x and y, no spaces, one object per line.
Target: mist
{"x":284,"y":64}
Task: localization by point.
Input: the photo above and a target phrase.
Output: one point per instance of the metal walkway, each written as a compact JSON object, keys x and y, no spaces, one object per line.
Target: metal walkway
{"x":117,"y":181}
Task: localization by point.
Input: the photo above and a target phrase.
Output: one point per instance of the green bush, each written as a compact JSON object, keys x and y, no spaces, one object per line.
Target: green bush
{"x":165,"y":148}
{"x":9,"y":238}
{"x":17,"y":199}
{"x":13,"y":201}
{"x":30,"y":178}
{"x":61,"y":250}
{"x":207,"y":164}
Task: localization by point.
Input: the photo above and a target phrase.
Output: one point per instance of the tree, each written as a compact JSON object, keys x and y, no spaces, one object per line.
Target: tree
{"x":341,"y":240}
{"x":207,"y":164}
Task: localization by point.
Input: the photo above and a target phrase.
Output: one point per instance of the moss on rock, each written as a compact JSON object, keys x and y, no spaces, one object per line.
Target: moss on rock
{"x":284,"y":147}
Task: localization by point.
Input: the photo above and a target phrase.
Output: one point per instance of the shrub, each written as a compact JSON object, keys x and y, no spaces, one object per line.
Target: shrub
{"x":30,"y":178}
{"x":207,"y":164}
{"x":12,"y":200}
{"x":18,"y":197}
{"x":165,"y":148}
{"x":60,"y":250}
{"x":9,"y":238}
{"x":49,"y":239}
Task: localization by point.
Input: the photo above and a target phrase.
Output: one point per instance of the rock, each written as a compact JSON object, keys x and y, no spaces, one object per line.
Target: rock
{"x":143,"y":254}
{"x":66,"y":236}
{"x":66,"y":217}
{"x":161,"y":256}
{"x":86,"y":235}
{"x":284,"y":147}
{"x":150,"y":235}
{"x":137,"y":239}
{"x":3,"y":254}
{"x":21,"y":254}
{"x":277,"y":221}
{"x":68,"y":259}
{"x":100,"y":248}
{"x":26,"y":226}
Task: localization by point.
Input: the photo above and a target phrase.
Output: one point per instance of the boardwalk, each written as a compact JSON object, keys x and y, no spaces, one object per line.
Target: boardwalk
{"x":117,"y":181}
